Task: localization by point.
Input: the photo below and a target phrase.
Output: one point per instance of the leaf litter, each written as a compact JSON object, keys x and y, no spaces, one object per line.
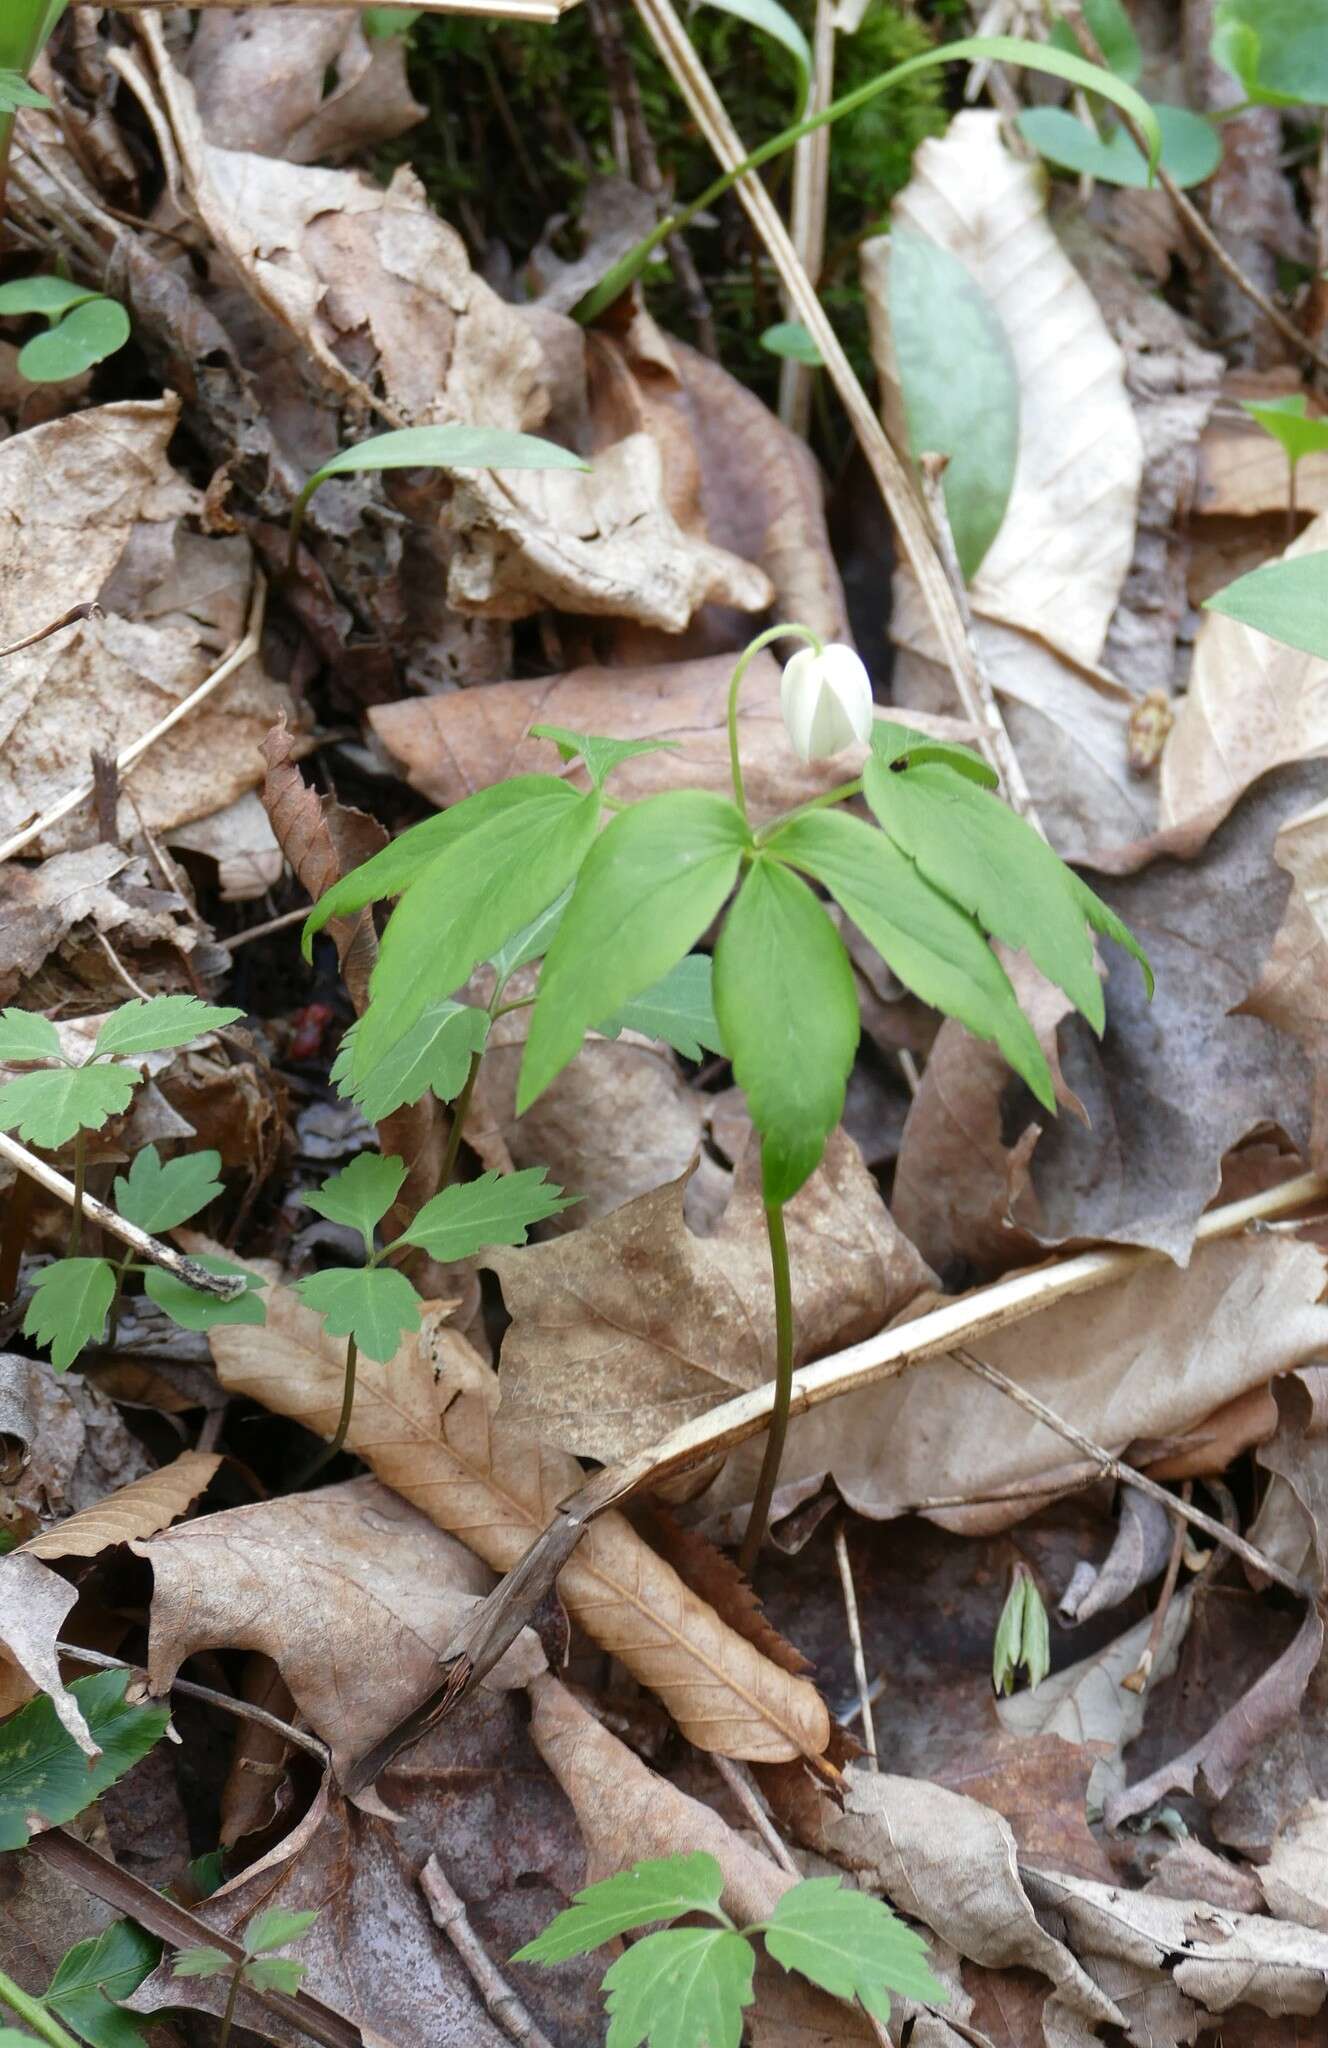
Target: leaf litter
{"x":1132,"y":1847}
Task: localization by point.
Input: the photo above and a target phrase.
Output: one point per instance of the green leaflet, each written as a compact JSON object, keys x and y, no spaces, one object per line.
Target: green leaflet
{"x":201,"y":1962}
{"x":95,"y":329}
{"x":850,"y":1944}
{"x":498,"y":1208}
{"x":679,"y":1009}
{"x":777,"y":23}
{"x":69,"y":1306}
{"x":893,"y":742}
{"x":48,"y":1108}
{"x":193,"y":1310}
{"x":469,"y":900}
{"x":276,"y":1928}
{"x":1276,"y":49}
{"x":657,"y":1890}
{"x":600,"y":755}
{"x":374,"y":1305}
{"x":15,"y":92}
{"x":1191,"y":146}
{"x":646,"y":892}
{"x":792,"y":341}
{"x":1287,"y":600}
{"x":1114,"y":33}
{"x":937,"y":950}
{"x":531,"y":941}
{"x":788,"y":1013}
{"x":159,"y":1196}
{"x":44,"y":1774}
{"x":94,"y":1974}
{"x":1288,"y":421}
{"x":434,"y":1055}
{"x":360,"y":1195}
{"x":27,"y":1035}
{"x":686,"y":1988}
{"x":159,"y":1024}
{"x":275,"y":1973}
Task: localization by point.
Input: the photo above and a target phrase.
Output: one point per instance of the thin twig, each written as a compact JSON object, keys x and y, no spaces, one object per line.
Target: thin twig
{"x":874,"y":1691}
{"x":500,"y":2001}
{"x":807,"y":210}
{"x":740,"y":1785}
{"x":243,"y":1710}
{"x":850,"y":1592}
{"x":1137,"y":1680}
{"x":265,"y":931}
{"x":226,"y":1286}
{"x":1127,"y":1476}
{"x":134,"y":752}
{"x":70,"y":618}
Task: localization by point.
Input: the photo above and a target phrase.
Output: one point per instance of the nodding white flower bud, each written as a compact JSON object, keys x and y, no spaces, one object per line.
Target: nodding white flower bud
{"x":826,"y":700}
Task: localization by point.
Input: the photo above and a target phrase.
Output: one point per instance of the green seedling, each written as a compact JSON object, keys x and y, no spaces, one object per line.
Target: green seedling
{"x":83,"y":327}
{"x":256,"y":1967}
{"x":83,"y":1996}
{"x":1023,"y":1638}
{"x":687,"y":1987}
{"x":1296,"y":433}
{"x":792,"y":342}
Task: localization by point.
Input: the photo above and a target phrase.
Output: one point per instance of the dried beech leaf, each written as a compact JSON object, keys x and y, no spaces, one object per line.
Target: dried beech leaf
{"x":139,"y":1509}
{"x":33,"y":1605}
{"x":323,"y":840}
{"x":266,"y":88}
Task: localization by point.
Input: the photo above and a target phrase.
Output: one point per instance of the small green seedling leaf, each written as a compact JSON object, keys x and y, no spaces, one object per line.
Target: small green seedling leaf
{"x":49,"y":1108}
{"x":435,"y":1054}
{"x":27,"y":1035}
{"x":207,"y":1872}
{"x":380,"y":23}
{"x":600,"y":755}
{"x":895,"y":743}
{"x":777,"y":23}
{"x":97,"y":1973}
{"x":1276,"y":49}
{"x":15,"y":92}
{"x":1287,"y":600}
{"x":160,"y":1024}
{"x":498,"y":1208}
{"x":1113,"y":33}
{"x":159,"y":1195}
{"x":44,"y":1775}
{"x":94,"y":330}
{"x":70,"y":1302}
{"x":50,"y":296}
{"x":959,"y":385}
{"x":851,"y":1945}
{"x":686,"y":1988}
{"x":1191,"y":146}
{"x":532,"y":941}
{"x":793,"y":342}
{"x":194,"y":1310}
{"x":375,"y":1306}
{"x":1023,"y":1636}
{"x":361,"y":1194}
{"x":679,"y":1009}
{"x":661,"y":1889}
{"x":1288,"y":421}
{"x":275,"y":1928}
{"x":275,"y":1973}
{"x":202,"y":1962}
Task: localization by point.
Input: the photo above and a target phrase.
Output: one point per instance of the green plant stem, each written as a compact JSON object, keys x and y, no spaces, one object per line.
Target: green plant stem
{"x":34,"y":2014}
{"x":744,"y":662}
{"x":330,"y":1450}
{"x":80,"y":1178}
{"x":782,"y":1281}
{"x":121,"y":1272}
{"x":14,"y":1234}
{"x":460,"y":1110}
{"x":228,"y":2015}
{"x":813,"y":803}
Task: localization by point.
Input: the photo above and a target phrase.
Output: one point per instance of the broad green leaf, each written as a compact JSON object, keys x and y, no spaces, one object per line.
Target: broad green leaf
{"x":1008,"y":1640}
{"x":194,"y":1310}
{"x":202,"y":1962}
{"x":465,"y":904}
{"x":1114,"y":34}
{"x":158,"y":1195}
{"x":48,"y":1108}
{"x":276,"y":1928}
{"x":27,"y":1035}
{"x":974,"y":848}
{"x":15,"y":92}
{"x":600,"y":755}
{"x":93,"y":1975}
{"x":661,"y":1889}
{"x":69,"y":1306}
{"x":434,"y":1054}
{"x":777,"y":23}
{"x":1276,"y":49}
{"x":937,"y":950}
{"x":1036,"y":1646}
{"x":11,"y":2037}
{"x":791,"y":340}
{"x":361,"y":1194}
{"x":50,"y":296}
{"x":207,"y":1873}
{"x":647,"y":891}
{"x":89,"y":334}
{"x":275,"y":1973}
{"x":680,"y":1009}
{"x":788,"y":1013}
{"x":374,"y":1306}
{"x":160,"y":1024}
{"x":852,"y":1945}
{"x":533,"y":940}
{"x":44,"y":1775}
{"x":1287,"y":420}
{"x":686,"y":1988}
{"x":959,"y":386}
{"x":893,"y":742}
{"x":1191,"y":146}
{"x":403,"y":862}
{"x":382,"y":22}
{"x":498,"y":1208}
{"x":1287,"y":600}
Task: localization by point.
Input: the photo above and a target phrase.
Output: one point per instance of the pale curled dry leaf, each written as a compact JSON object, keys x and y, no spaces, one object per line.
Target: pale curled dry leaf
{"x":33,"y":1605}
{"x":1139,"y":1551}
{"x":1294,"y":1880}
{"x":240,"y":841}
{"x":442,"y":1444}
{"x":305,"y":86}
{"x":1292,"y":989}
{"x":139,"y":1509}
{"x":626,"y":1328}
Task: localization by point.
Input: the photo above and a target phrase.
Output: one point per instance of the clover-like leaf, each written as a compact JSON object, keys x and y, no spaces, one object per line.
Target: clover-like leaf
{"x":498,"y":1208}
{"x":95,"y":329}
{"x":69,"y":1306}
{"x":661,"y":1889}
{"x":44,"y":1775}
{"x":159,"y":1024}
{"x":1191,"y":146}
{"x":27,"y":1035}
{"x":276,"y":1928}
{"x":679,"y":1009}
{"x":361,"y":1194}
{"x":159,"y":1194}
{"x":600,"y":755}
{"x":202,"y":1962}
{"x":851,"y":1944}
{"x":434,"y":1054}
{"x":192,"y":1309}
{"x":93,"y":1975}
{"x":275,"y":1973}
{"x":685,"y":1988}
{"x":375,"y":1306}
{"x":49,"y":1107}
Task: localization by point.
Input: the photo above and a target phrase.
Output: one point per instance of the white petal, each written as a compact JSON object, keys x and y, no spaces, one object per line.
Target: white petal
{"x":844,"y":673}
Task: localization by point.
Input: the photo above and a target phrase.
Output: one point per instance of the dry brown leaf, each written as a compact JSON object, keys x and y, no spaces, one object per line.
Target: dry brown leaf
{"x":262,"y":82}
{"x":33,"y":1604}
{"x":139,"y":1509}
{"x":241,"y":842}
{"x":1294,"y":1880}
{"x":75,"y":1448}
{"x":1292,"y":989}
{"x":1291,"y":1526}
{"x":40,"y":905}
{"x":1039,"y":1784}
{"x":1187,"y":1870}
{"x":624,"y":1329}
{"x":1252,"y":704}
{"x":1139,"y":1551}
{"x":442,"y":1445}
{"x":322,"y":840}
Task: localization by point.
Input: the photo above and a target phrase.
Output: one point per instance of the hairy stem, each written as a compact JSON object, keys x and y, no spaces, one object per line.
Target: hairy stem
{"x":744,"y":662}
{"x":337,"y":1443}
{"x":229,"y":2014}
{"x":34,"y":2014}
{"x":782,"y":1282}
{"x":80,"y":1181}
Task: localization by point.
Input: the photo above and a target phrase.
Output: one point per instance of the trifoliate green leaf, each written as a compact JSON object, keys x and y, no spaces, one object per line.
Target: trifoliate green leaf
{"x":44,"y":1775}
{"x":49,"y":1107}
{"x":934,"y":947}
{"x":1287,"y":600}
{"x":275,"y":1928}
{"x":649,"y":887}
{"x":892,"y":742}
{"x":202,"y":1962}
{"x":498,"y":1208}
{"x":94,"y":1975}
{"x":27,"y":1035}
{"x":851,"y":1944}
{"x":160,"y":1023}
{"x":194,"y":1310}
{"x":69,"y":1306}
{"x":661,"y":1889}
{"x":275,"y":1973}
{"x":532,"y":941}
{"x":679,"y":1009}
{"x":159,"y":1194}
{"x":375,"y":1307}
{"x":434,"y":1054}
{"x":686,"y":1988}
{"x":600,"y":755}
{"x":360,"y":1195}
{"x":788,"y":1014}
{"x":466,"y":904}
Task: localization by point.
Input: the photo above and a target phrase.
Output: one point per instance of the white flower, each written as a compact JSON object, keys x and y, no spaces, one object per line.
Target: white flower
{"x":826,"y":700}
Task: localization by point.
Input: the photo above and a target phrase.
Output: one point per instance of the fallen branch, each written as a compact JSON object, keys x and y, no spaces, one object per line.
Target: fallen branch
{"x":72,"y":617}
{"x":243,"y":1710}
{"x":500,"y":2001}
